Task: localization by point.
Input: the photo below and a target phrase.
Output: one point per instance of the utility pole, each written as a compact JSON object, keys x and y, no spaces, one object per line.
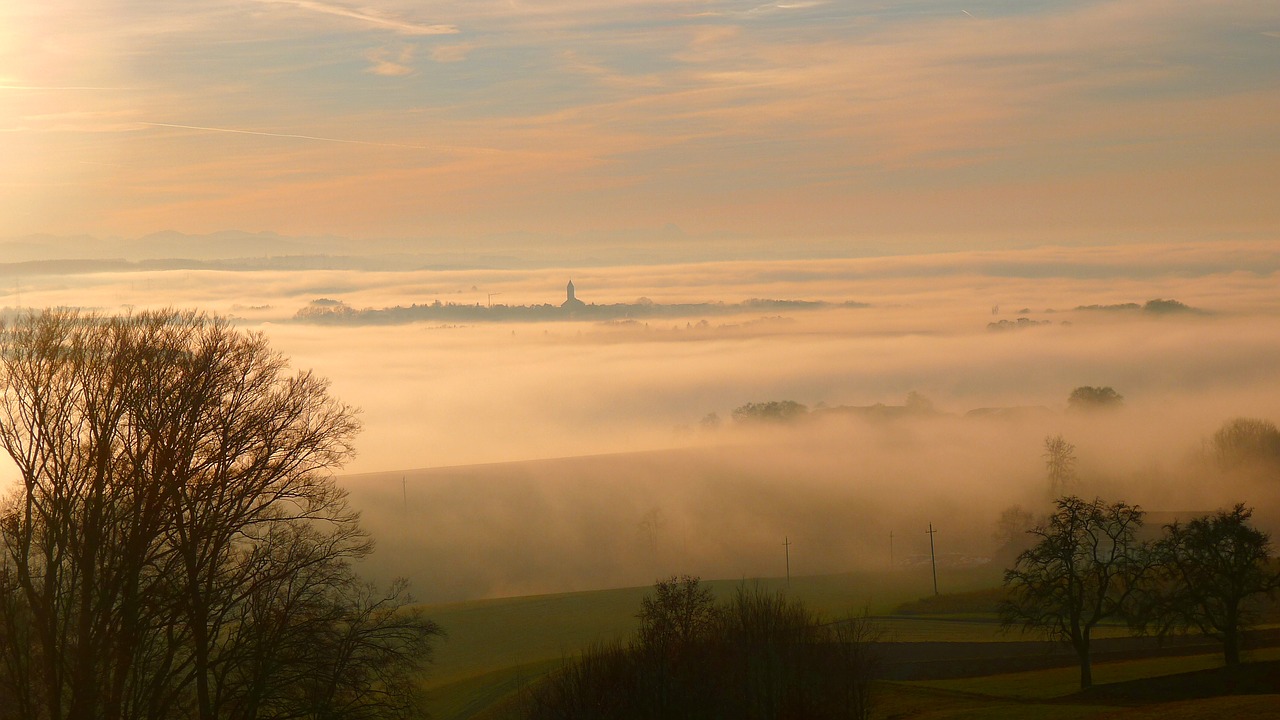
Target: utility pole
{"x":933,"y":559}
{"x":786,"y":546}
{"x":404,"y":487}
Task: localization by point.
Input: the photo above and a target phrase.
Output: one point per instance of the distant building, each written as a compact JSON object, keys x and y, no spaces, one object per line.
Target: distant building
{"x":571,"y":301}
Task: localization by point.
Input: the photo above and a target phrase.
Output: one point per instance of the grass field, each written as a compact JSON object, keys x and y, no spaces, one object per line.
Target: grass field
{"x":495,"y":647}
{"x":486,"y":635}
{"x":1060,"y":682}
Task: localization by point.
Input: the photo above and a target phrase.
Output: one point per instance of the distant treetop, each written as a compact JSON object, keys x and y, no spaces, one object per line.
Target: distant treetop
{"x":772,"y":411}
{"x":1087,"y":397}
{"x":1160,"y":306}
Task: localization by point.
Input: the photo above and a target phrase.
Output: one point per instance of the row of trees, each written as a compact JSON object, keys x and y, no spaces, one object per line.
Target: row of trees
{"x":1088,"y":566}
{"x":176,"y":547}
{"x":759,"y":655}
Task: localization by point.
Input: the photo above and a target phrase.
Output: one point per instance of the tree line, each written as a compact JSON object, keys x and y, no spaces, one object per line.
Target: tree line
{"x":176,"y":546}
{"x":1088,"y":566}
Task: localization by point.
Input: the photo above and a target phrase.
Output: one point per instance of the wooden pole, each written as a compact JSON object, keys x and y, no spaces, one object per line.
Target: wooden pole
{"x":933,"y":559}
{"x":786,"y":545}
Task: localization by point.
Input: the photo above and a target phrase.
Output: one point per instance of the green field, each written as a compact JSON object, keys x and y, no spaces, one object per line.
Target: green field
{"x":487,"y":635}
{"x":495,"y":647}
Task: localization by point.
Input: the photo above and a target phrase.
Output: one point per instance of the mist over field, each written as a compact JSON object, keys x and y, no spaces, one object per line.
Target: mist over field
{"x":669,"y":494}
{"x":834,"y":488}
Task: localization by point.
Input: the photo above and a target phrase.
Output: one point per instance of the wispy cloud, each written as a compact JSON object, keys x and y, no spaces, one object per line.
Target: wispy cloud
{"x":389,"y":64}
{"x":368,"y":17}
{"x":451,"y":53}
{"x":55,"y":88}
{"x":293,"y":136}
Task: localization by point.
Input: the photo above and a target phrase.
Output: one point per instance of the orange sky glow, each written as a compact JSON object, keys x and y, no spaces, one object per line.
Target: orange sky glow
{"x":985,"y":123}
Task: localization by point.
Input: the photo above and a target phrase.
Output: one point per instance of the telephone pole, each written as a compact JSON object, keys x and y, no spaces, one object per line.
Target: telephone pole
{"x":786,"y":546}
{"x":933,"y":560}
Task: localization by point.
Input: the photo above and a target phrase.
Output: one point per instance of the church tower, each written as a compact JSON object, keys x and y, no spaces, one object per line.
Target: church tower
{"x":571,"y":301}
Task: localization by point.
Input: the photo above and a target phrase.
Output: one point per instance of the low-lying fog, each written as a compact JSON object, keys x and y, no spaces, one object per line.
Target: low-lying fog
{"x":437,"y":395}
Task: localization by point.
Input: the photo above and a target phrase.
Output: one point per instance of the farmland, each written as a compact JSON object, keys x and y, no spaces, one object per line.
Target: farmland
{"x":496,"y":647}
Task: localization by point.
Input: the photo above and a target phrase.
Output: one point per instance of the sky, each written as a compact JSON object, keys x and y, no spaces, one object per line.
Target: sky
{"x":829,"y":126}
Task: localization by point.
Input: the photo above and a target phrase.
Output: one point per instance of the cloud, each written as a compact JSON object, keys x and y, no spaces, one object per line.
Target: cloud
{"x":833,"y":122}
{"x":387,"y":67}
{"x":782,"y":7}
{"x":56,"y":88}
{"x":292,"y":136}
{"x":451,"y":53}
{"x":370,"y":18}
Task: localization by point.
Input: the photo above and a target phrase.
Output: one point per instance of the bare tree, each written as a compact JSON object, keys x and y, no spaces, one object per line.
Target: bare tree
{"x":1012,"y":531}
{"x":679,"y":612}
{"x":177,"y":547}
{"x":1084,"y":569}
{"x":1207,"y":571}
{"x":1060,"y":465}
{"x":1247,"y":442}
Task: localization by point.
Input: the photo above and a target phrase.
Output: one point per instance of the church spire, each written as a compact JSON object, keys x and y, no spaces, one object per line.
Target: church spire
{"x":571,"y":301}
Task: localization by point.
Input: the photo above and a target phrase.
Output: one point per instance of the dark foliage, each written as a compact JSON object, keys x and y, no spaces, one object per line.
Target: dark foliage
{"x":1087,"y":397}
{"x":759,"y":655}
{"x":771,"y":411}
{"x":1160,"y":306}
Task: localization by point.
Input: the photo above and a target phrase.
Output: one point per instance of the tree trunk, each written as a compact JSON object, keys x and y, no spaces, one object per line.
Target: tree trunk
{"x":1086,"y":668}
{"x":1231,"y":646}
{"x":1086,"y":671}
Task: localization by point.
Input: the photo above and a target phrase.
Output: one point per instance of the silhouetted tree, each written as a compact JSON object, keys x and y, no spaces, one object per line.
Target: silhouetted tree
{"x":772,"y":411}
{"x":758,"y":655}
{"x":1243,"y":442}
{"x":1012,"y":531}
{"x":1160,"y":306}
{"x":1206,"y":573}
{"x":1060,"y":465}
{"x":177,"y":546}
{"x":918,"y":403}
{"x":1084,"y":569}
{"x":1087,"y":397}
{"x":678,"y":613}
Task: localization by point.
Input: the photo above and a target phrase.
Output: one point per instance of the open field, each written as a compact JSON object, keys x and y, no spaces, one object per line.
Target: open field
{"x":902,"y":702}
{"x":1065,"y":681}
{"x":496,"y":647}
{"x":485,"y":635}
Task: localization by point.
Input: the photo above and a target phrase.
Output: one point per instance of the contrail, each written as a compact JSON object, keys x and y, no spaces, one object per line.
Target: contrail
{"x":405,"y":27}
{"x":285,"y":135}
